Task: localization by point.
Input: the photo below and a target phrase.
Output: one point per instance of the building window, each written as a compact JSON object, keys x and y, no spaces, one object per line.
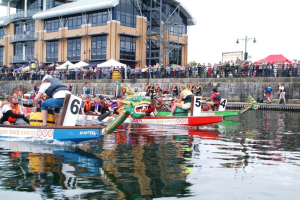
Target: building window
{"x":2,"y":32}
{"x":30,"y":26}
{"x":98,"y":47}
{"x":29,"y":49}
{"x":175,"y":53}
{"x":74,"y":47}
{"x":52,"y":25}
{"x":74,"y":22}
{"x":18,"y":49}
{"x":1,"y":56}
{"x":20,"y":6}
{"x":126,"y":13}
{"x":52,"y":51}
{"x":127,"y":48}
{"x":54,"y":3}
{"x":34,"y":5}
{"x":99,"y":19}
{"x":19,"y":29}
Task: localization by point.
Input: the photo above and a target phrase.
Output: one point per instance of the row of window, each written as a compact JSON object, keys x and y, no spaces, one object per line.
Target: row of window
{"x":29,"y":27}
{"x":2,"y":32}
{"x":29,"y":48}
{"x":75,"y":22}
{"x":38,"y":4}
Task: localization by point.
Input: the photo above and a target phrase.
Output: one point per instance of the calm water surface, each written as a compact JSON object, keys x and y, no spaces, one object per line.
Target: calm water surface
{"x":253,"y":156}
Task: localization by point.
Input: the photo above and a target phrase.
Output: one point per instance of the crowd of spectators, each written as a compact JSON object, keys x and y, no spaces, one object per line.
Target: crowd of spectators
{"x":230,"y":69}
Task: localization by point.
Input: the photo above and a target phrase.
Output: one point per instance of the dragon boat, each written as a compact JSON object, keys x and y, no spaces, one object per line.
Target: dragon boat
{"x":253,"y":105}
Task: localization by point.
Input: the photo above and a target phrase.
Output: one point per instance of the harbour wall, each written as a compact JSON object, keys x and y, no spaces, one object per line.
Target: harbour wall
{"x":234,"y":89}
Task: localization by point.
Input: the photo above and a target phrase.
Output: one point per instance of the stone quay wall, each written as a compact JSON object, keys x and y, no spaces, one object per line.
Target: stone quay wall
{"x":233,"y":89}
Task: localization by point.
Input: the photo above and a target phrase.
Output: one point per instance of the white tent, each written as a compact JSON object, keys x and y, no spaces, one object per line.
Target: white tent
{"x":81,"y":64}
{"x":64,"y":66}
{"x":111,"y":63}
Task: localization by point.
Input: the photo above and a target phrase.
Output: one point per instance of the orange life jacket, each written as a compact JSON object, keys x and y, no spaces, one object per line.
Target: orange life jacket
{"x":15,"y":111}
{"x":191,"y":87}
{"x":87,"y":106}
{"x":174,"y":87}
{"x":156,"y":88}
{"x":2,"y":103}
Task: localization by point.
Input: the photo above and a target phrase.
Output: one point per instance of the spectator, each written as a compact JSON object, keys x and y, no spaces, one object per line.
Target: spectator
{"x":281,"y":93}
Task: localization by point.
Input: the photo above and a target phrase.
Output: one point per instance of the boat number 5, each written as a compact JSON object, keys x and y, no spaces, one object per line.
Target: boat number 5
{"x":75,"y":105}
{"x":223,"y":103}
{"x":198,"y":102}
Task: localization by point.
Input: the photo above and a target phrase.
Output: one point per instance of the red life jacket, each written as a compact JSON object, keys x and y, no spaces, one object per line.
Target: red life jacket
{"x":15,"y":111}
{"x":150,"y":109}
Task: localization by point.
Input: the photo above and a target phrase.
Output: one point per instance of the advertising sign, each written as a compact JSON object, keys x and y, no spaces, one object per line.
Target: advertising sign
{"x":228,"y":56}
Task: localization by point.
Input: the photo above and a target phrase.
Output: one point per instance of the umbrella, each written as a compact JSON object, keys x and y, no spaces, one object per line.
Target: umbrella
{"x":111,"y":63}
{"x":4,"y":68}
{"x":81,"y":64}
{"x":66,"y":65}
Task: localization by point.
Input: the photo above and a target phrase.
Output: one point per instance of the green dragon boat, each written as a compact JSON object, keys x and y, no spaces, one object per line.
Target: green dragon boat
{"x":230,"y":113}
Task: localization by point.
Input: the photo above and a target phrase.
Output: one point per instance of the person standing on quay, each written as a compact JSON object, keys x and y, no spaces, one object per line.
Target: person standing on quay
{"x":281,"y":93}
{"x":268,"y":92}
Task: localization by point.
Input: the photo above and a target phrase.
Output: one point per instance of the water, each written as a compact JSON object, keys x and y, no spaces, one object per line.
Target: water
{"x":253,"y":156}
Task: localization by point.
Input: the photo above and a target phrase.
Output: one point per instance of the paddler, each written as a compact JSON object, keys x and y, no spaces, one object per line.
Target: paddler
{"x":215,"y":100}
{"x":152,"y":108}
{"x":192,"y":88}
{"x":42,"y":99}
{"x":5,"y":101}
{"x":151,"y":90}
{"x":147,"y":89}
{"x":86,"y":105}
{"x":56,"y":91}
{"x":198,"y":89}
{"x":101,"y":106}
{"x":186,"y":97}
{"x":12,"y":111}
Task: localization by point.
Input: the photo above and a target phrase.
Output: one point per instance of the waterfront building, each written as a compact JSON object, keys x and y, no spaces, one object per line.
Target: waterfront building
{"x":134,"y":32}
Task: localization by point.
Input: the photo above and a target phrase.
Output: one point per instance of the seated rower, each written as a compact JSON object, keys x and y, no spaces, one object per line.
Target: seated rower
{"x":215,"y":100}
{"x":160,"y":102}
{"x":42,"y":99}
{"x":186,"y":97}
{"x":152,"y":108}
{"x":12,"y":111}
{"x":56,"y":91}
{"x":86,"y":105}
{"x":101,"y":106}
{"x":6,"y":101}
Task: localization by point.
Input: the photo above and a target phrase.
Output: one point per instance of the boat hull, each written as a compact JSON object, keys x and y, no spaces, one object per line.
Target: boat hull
{"x":217,"y":113}
{"x":63,"y":133}
{"x":181,"y":121}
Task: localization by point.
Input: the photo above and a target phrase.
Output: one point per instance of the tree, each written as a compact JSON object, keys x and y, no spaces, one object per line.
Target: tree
{"x":193,"y":63}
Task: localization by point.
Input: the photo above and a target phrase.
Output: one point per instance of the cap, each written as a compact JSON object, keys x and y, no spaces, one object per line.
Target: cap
{"x":101,"y":97}
{"x":268,"y":84}
{"x":108,"y":99}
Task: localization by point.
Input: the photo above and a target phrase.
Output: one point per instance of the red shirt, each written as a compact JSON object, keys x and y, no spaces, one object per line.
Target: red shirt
{"x":216,"y":98}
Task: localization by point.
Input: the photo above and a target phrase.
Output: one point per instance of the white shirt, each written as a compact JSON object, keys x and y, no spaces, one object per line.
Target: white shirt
{"x":58,"y":95}
{"x":281,"y":88}
{"x":6,"y":108}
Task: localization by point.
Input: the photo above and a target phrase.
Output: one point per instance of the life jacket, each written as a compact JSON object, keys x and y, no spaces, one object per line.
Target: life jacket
{"x":87,"y":90}
{"x":101,"y":107}
{"x":87,"y":106}
{"x":56,"y":85}
{"x":268,"y":89}
{"x":187,"y":96}
{"x":2,"y":103}
{"x":191,"y":87}
{"x":119,"y":107}
{"x":15,"y":111}
{"x":70,"y":88}
{"x":150,"y":109}
{"x":217,"y":98}
{"x":156,"y":88}
{"x":123,"y":90}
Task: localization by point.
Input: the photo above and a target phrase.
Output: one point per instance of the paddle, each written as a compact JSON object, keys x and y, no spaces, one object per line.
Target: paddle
{"x":103,"y":116}
{"x":164,"y":105}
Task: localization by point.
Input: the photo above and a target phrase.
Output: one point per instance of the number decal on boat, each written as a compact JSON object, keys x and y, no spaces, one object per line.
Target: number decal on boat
{"x":75,"y":105}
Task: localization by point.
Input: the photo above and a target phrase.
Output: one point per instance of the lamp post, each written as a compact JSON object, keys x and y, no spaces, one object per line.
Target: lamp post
{"x":246,"y":40}
{"x":89,"y":51}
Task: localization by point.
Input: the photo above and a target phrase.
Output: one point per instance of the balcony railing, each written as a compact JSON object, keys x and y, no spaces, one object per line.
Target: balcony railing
{"x":21,"y":14}
{"x":23,"y":37}
{"x":22,"y":58}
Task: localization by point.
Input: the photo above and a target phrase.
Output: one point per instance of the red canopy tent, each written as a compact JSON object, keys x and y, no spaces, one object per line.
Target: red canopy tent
{"x":275,"y":58}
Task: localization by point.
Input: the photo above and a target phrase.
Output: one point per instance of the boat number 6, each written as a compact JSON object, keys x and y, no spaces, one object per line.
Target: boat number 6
{"x":198,"y":102}
{"x":75,"y":105}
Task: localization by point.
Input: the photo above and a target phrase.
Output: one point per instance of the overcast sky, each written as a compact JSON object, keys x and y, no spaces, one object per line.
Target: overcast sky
{"x":274,"y":24}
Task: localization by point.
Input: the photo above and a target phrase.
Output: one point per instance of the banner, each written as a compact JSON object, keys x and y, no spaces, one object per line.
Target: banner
{"x":228,"y":56}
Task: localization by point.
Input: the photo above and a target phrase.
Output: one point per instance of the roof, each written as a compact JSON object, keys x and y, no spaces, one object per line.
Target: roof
{"x":80,"y":6}
{"x":275,"y":58}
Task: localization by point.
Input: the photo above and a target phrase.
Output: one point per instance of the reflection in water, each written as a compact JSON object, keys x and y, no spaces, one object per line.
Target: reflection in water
{"x":140,"y":161}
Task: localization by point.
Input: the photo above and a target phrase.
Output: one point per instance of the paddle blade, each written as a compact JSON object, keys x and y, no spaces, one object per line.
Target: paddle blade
{"x":103,"y":116}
